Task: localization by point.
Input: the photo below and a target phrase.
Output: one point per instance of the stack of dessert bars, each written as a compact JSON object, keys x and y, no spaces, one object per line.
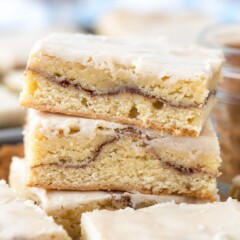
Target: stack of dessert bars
{"x":119,"y":121}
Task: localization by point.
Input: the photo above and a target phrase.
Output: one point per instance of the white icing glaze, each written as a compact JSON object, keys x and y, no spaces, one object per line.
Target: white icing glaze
{"x":67,"y":199}
{"x":138,"y":198}
{"x":147,"y":56}
{"x":50,"y":124}
{"x":211,"y":221}
{"x":207,"y":142}
{"x":23,"y":220}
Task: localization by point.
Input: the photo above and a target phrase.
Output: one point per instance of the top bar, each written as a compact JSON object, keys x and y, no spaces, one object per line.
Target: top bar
{"x":144,"y":82}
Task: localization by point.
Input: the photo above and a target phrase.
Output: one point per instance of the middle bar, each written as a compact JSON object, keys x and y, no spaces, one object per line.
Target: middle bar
{"x":84,"y":154}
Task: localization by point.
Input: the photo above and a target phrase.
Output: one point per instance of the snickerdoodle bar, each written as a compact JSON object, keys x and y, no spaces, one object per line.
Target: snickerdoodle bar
{"x":74,"y":153}
{"x":147,"y":83}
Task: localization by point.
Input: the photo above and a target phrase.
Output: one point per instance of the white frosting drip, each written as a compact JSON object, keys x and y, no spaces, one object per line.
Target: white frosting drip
{"x":50,"y":124}
{"x":23,"y":220}
{"x":211,"y":221}
{"x":147,"y":56}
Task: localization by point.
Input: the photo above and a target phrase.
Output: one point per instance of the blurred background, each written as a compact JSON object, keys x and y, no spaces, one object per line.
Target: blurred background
{"x":212,"y":23}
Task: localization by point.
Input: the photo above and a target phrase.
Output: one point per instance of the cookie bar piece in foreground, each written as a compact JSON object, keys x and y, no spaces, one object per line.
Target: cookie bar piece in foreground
{"x":66,"y":207}
{"x":147,"y":83}
{"x":23,"y":220}
{"x":74,"y":153}
{"x":165,"y":221}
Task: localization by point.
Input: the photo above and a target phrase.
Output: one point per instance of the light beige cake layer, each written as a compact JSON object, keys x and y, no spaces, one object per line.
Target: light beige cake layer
{"x":133,"y":81}
{"x":23,"y":220}
{"x":85,"y":154}
{"x":66,"y":207}
{"x":165,"y":221}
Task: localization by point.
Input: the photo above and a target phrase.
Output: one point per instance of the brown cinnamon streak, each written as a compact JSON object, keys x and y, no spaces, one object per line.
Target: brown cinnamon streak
{"x":128,"y":131}
{"x":66,"y":83}
{"x":98,"y":151}
{"x":181,"y":169}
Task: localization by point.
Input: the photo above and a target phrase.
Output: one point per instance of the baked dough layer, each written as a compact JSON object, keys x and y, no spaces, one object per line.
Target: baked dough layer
{"x":84,"y":154}
{"x":126,"y":108}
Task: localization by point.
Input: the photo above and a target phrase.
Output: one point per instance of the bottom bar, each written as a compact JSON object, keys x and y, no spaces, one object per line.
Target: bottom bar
{"x":73,"y":153}
{"x":66,"y":207}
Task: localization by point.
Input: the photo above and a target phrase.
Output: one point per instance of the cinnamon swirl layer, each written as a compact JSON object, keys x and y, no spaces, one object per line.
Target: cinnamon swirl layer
{"x":85,"y":154}
{"x":127,"y":106}
{"x":158,"y":100}
{"x":54,"y":177}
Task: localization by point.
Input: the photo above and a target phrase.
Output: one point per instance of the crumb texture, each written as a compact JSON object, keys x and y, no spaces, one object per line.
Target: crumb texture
{"x":125,"y":108}
{"x":111,"y":156}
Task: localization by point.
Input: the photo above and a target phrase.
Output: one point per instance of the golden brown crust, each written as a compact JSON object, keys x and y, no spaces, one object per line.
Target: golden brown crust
{"x":173,"y":130}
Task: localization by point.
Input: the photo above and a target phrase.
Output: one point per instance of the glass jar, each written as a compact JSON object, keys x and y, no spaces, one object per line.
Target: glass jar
{"x":226,"y":114}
